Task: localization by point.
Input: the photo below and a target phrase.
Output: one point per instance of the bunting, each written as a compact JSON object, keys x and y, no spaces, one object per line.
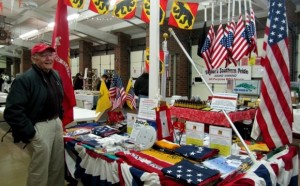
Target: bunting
{"x":75,"y":4}
{"x":183,"y":14}
{"x":145,"y":13}
{"x":130,"y":100}
{"x":99,"y":6}
{"x":125,"y":9}
{"x":60,"y":41}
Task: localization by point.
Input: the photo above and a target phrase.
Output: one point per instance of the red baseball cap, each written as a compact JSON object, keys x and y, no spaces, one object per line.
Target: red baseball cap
{"x":41,"y":47}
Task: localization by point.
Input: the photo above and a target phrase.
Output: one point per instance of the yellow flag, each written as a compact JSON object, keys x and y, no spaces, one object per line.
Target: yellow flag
{"x":103,"y":100}
{"x":130,"y":101}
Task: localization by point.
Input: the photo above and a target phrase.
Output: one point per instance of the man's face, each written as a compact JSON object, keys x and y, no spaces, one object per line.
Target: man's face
{"x":44,"y":60}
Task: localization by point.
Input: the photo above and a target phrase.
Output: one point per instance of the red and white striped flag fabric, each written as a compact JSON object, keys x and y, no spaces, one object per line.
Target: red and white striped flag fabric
{"x":117,"y":92}
{"x":240,"y":44}
{"x":219,"y":51}
{"x":274,"y":115}
{"x":229,"y":34}
{"x":206,"y":49}
{"x":253,"y":46}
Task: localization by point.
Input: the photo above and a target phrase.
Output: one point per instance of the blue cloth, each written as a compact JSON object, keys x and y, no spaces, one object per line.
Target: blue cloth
{"x":190,"y":173}
{"x":195,"y":152}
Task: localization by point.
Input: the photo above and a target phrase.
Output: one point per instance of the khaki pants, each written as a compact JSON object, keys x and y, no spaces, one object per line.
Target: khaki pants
{"x":46,"y":167}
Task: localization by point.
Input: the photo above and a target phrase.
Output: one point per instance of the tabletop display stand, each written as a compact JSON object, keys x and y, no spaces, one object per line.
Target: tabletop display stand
{"x":204,"y":81}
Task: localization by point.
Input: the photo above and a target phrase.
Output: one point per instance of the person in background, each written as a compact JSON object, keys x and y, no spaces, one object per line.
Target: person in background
{"x":105,"y":78}
{"x":141,"y":86}
{"x":78,"y":82}
{"x":34,"y":112}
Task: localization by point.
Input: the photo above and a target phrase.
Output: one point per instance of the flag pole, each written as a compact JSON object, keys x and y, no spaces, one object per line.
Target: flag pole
{"x":226,"y":115}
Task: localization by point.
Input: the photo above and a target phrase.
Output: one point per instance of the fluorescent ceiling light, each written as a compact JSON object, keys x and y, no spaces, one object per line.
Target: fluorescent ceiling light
{"x":72,"y":17}
{"x":28,"y":34}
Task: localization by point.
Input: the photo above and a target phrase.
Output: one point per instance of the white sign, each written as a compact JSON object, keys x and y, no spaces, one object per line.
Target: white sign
{"x":131,"y":118}
{"x":194,"y":133}
{"x":220,"y":138}
{"x":147,"y":108}
{"x":221,"y":75}
{"x":224,"y":101}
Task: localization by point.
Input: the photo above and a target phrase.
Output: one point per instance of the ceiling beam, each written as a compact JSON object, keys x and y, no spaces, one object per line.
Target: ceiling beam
{"x":98,"y":34}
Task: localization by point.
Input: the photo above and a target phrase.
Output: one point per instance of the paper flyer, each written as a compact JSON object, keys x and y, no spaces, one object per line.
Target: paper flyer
{"x":194,"y":133}
{"x":220,"y":138}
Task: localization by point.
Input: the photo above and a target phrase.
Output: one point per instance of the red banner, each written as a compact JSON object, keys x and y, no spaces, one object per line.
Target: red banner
{"x":145,"y":13}
{"x":60,"y":41}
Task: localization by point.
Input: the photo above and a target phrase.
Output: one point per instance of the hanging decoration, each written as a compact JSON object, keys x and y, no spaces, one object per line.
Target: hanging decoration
{"x":183,"y":14}
{"x":99,"y":6}
{"x":75,"y":4}
{"x":145,"y":13}
{"x":125,"y":9}
{"x":147,"y":59}
{"x":161,"y":62}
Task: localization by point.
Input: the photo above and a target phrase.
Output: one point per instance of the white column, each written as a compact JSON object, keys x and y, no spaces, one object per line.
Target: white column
{"x":154,"y":49}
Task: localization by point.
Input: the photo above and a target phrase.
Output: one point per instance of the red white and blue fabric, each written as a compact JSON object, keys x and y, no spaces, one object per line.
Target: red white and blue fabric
{"x":281,"y":169}
{"x":240,"y":44}
{"x":252,"y":33}
{"x":117,"y":92}
{"x":104,"y":131}
{"x":190,"y":173}
{"x":135,"y":177}
{"x":164,"y":123}
{"x":219,"y":51}
{"x":130,"y":98}
{"x":274,"y":115}
{"x":149,"y":164}
{"x":195,"y":152}
{"x":229,"y":34}
{"x":91,"y":170}
{"x":207,"y":49}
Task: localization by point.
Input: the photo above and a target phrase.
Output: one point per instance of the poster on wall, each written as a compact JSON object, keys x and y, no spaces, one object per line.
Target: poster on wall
{"x":251,"y":87}
{"x":222,"y":75}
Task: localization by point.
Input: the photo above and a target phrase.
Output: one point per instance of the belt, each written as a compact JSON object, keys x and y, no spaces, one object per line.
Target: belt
{"x":47,"y":119}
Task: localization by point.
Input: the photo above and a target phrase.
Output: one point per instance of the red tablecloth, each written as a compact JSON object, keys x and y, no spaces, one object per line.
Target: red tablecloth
{"x":210,"y":117}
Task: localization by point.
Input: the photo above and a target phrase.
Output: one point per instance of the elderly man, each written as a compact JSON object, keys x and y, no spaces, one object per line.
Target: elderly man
{"x":34,"y":112}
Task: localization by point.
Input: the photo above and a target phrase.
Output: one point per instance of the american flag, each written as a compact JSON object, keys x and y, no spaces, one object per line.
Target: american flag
{"x":240,"y":44}
{"x":206,"y":49}
{"x":229,"y":33}
{"x":274,"y":116}
{"x":201,"y":40}
{"x":117,"y":92}
{"x":219,"y":52}
{"x":253,"y":46}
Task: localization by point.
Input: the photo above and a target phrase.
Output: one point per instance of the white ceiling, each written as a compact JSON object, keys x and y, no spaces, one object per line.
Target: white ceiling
{"x":89,"y":26}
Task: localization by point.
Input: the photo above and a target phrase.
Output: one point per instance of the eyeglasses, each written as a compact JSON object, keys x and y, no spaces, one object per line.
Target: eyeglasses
{"x":46,"y":54}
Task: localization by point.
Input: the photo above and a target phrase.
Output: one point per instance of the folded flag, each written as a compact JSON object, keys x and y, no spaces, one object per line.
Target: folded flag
{"x":191,"y":173}
{"x":196,"y":153}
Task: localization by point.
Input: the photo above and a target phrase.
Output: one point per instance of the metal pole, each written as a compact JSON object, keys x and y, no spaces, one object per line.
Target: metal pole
{"x":226,"y":115}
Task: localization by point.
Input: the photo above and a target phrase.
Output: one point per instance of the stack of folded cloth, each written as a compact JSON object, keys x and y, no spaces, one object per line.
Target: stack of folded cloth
{"x":196,"y":153}
{"x":193,"y":174}
{"x":104,"y":131}
{"x":165,"y":146}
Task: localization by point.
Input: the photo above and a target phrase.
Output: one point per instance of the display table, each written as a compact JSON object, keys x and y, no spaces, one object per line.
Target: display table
{"x":211,"y":117}
{"x":96,"y":169}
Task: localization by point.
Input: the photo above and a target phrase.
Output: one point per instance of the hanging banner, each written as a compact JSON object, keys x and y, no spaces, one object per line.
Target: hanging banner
{"x":221,"y":75}
{"x":125,"y":9}
{"x":99,"y":6}
{"x":75,"y":4}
